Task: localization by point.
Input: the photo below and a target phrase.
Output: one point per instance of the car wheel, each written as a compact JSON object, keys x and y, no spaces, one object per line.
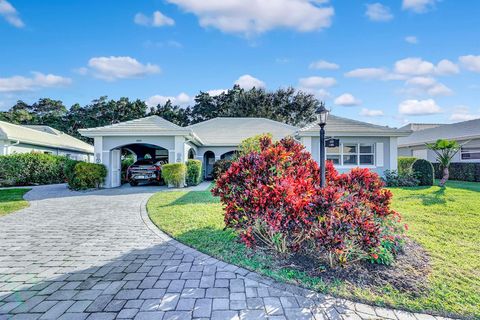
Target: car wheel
{"x":133,"y":183}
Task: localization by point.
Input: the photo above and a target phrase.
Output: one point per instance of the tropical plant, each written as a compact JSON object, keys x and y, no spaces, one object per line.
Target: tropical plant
{"x":220,"y":167}
{"x":251,"y":144}
{"x":174,"y":174}
{"x":194,"y":172}
{"x":444,"y":150}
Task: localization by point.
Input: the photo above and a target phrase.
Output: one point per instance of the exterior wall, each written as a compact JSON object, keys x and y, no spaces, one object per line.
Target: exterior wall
{"x":218,"y":151}
{"x":423,"y":153}
{"x":383,"y":160}
{"x":8,"y":148}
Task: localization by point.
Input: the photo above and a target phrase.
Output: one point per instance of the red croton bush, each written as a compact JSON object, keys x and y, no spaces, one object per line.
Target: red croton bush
{"x":273,"y":199}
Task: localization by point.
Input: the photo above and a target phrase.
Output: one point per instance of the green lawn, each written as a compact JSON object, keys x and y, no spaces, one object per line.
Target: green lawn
{"x":12,"y":200}
{"x":446,"y":222}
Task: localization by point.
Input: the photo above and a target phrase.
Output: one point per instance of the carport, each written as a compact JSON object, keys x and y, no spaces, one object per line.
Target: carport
{"x":152,"y":136}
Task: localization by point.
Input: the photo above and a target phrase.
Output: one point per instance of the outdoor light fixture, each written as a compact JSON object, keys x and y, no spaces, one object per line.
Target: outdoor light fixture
{"x":322,"y":116}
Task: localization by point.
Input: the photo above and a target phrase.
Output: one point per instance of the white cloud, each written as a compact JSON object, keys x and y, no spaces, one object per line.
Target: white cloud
{"x":257,"y":16}
{"x":411,"y":39}
{"x":157,"y":19}
{"x":216,"y":92}
{"x":10,"y":14}
{"x":37,"y":81}
{"x":113,"y":68}
{"x":470,"y":62}
{"x":445,"y":67}
{"x":371,"y":112}
{"x":180,"y":99}
{"x":248,"y":82}
{"x":367,"y":73}
{"x":462,"y":113}
{"x":378,"y":12}
{"x":418,"y":86}
{"x":418,"y":6}
{"x":317,"y":82}
{"x":321,"y":93}
{"x":414,"y":66}
{"x":346,"y":99}
{"x":323,"y":65}
{"x":418,"y":107}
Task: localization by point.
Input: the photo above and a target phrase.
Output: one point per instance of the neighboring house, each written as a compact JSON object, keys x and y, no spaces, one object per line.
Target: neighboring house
{"x":466,"y":133}
{"x":36,"y":138}
{"x":362,"y":144}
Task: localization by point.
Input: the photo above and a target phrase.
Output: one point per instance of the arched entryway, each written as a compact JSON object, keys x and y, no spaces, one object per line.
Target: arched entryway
{"x":191,"y":154}
{"x":121,"y":158}
{"x":208,"y":161}
{"x":229,"y":155}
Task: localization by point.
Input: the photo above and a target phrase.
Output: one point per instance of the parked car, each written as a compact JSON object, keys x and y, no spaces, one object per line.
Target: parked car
{"x":145,"y":170}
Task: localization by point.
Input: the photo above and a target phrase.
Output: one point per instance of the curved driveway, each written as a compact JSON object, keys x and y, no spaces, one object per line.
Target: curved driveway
{"x":95,"y":255}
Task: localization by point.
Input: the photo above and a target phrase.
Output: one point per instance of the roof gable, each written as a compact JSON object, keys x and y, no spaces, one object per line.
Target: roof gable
{"x":343,"y":126}
{"x":149,"y":125}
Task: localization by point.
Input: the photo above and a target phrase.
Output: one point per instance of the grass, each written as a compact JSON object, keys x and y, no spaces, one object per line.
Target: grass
{"x":444,"y":221}
{"x":12,"y":200}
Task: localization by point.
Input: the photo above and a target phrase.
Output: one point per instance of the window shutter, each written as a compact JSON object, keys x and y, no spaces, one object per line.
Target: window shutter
{"x":379,"y":154}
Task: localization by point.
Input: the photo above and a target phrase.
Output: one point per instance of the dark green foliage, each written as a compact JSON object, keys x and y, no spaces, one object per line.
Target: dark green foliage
{"x":394,"y":179}
{"x":285,"y":105}
{"x":32,"y":168}
{"x":174,"y":174}
{"x":423,"y":171}
{"x":127,"y":161}
{"x":220,"y":167}
{"x":69,"y":169}
{"x":194,"y":172}
{"x":405,"y":164}
{"x":87,"y":176}
{"x":460,"y":171}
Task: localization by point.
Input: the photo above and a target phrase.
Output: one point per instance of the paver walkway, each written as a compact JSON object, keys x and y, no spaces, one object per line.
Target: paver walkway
{"x":96,"y":255}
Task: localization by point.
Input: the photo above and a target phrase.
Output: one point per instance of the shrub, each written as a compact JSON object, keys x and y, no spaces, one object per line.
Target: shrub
{"x":174,"y":174}
{"x":220,"y":167}
{"x":32,"y":168}
{"x":69,"y":169}
{"x":423,"y":170}
{"x":273,"y":199}
{"x":405,"y":165}
{"x":87,"y":176}
{"x":394,"y":179}
{"x":461,"y":171}
{"x":251,"y":144}
{"x":194,"y":172}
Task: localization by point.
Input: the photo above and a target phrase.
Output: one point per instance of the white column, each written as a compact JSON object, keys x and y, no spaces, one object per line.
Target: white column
{"x":393,"y":153}
{"x":307,"y":142}
{"x":98,"y":149}
{"x":179,"y":149}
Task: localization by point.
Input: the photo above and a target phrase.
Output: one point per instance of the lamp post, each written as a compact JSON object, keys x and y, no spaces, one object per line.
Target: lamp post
{"x":322,"y":115}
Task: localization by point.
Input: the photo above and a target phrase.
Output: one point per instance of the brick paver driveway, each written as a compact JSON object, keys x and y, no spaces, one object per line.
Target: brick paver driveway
{"x":97,"y":256}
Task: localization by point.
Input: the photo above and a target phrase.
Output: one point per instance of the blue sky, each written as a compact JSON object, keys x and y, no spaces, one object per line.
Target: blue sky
{"x":386,"y":62}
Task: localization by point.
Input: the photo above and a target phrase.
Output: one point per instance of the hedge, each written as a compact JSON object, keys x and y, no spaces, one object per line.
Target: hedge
{"x":33,"y":168}
{"x":460,"y":171}
{"x":174,"y":174}
{"x":87,"y":176}
{"x":423,"y":171}
{"x":405,"y":165}
{"x":194,"y":172}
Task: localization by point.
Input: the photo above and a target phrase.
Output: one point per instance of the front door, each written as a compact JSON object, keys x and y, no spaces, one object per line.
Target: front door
{"x":115,"y":166}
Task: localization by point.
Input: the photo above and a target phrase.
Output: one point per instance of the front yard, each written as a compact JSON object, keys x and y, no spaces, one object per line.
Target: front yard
{"x":445,"y":222}
{"x":12,"y":200}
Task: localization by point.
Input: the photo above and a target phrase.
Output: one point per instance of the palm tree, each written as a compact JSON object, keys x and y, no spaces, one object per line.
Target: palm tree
{"x":445,"y":150}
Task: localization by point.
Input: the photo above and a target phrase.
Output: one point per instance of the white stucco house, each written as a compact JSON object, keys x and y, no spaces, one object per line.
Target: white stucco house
{"x":361,"y":144}
{"x":467,"y":133}
{"x":37,"y":138}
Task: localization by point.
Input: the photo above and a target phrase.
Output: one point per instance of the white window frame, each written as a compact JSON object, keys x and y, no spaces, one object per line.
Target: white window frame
{"x":341,"y":154}
{"x":462,"y":152}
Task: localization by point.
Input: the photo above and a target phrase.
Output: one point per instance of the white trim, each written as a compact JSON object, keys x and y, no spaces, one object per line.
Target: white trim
{"x":380,"y":157}
{"x":393,"y":153}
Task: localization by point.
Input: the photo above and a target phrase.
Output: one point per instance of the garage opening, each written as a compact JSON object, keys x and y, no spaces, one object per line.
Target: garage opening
{"x":144,"y":160}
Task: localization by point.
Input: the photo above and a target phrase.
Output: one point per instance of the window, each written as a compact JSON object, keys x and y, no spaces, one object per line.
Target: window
{"x":352,"y":154}
{"x":470,"y":153}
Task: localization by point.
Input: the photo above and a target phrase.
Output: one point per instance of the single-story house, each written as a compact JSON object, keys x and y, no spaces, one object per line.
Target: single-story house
{"x":361,"y":144}
{"x":38,"y":138}
{"x":467,"y":133}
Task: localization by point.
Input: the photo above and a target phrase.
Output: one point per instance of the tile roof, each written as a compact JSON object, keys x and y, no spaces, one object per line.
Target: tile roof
{"x":42,"y":136}
{"x":456,"y":131}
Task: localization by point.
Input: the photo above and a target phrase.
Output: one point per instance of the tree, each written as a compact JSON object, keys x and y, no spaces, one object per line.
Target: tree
{"x":444,"y":150}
